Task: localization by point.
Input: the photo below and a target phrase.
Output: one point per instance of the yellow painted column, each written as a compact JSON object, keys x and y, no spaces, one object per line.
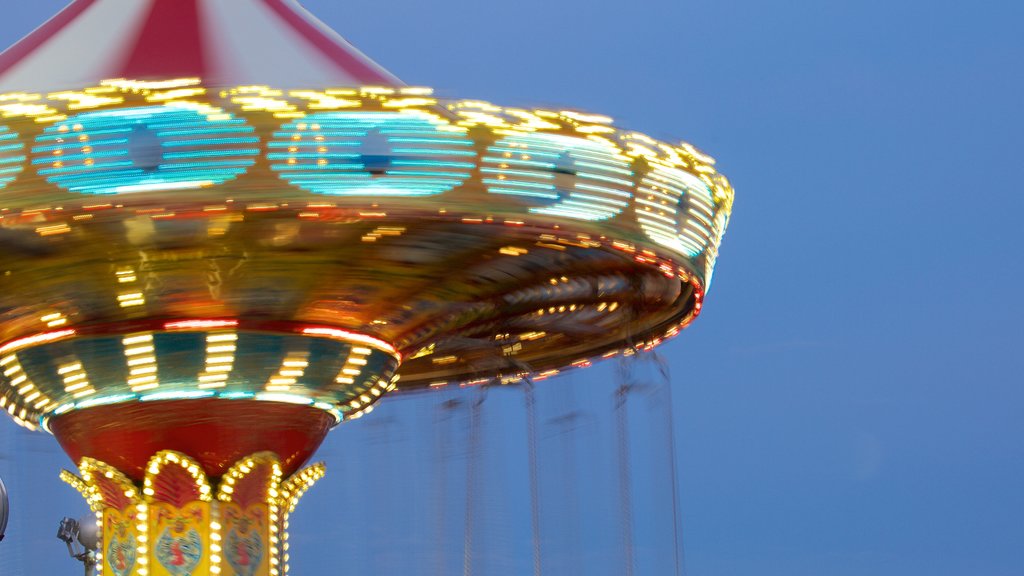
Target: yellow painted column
{"x":121,"y":540}
{"x":176,"y":525}
{"x":248,"y":497}
{"x":121,"y":514}
{"x":180,"y":511}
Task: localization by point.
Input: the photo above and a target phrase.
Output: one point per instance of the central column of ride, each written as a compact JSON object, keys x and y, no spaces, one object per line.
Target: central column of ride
{"x":191,"y":434}
{"x":181,"y":524}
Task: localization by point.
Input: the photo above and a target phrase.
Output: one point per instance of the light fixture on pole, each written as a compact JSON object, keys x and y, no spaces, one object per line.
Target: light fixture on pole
{"x":5,"y":509}
{"x":84,"y":532}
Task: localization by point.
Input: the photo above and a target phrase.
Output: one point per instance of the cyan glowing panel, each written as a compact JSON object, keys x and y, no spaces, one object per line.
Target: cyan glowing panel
{"x":407,"y":153}
{"x":700,"y":212}
{"x":152,"y":148}
{"x":711,"y":255}
{"x":563,"y":175}
{"x":12,"y":156}
{"x":692,"y":225}
{"x":657,"y":208}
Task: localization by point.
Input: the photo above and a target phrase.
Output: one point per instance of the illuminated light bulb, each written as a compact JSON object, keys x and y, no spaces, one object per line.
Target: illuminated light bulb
{"x":220,"y":349}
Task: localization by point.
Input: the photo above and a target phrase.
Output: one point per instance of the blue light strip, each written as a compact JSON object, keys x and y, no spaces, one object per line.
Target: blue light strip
{"x":687,"y":201}
{"x":405,"y":153}
{"x":12,"y":157}
{"x":191,"y":395}
{"x":657,"y":211}
{"x":76,"y":154}
{"x":426,"y":160}
{"x":592,"y":179}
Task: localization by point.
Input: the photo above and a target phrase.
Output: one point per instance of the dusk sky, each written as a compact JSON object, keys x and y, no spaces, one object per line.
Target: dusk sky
{"x":851,"y":401}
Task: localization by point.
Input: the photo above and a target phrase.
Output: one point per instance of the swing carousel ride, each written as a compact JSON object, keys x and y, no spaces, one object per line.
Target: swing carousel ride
{"x":227,"y":231}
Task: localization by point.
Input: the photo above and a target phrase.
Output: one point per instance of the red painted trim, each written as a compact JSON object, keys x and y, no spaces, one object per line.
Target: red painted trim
{"x":170,"y":43}
{"x":29,"y":44}
{"x":329,"y":47}
{"x":214,"y":432}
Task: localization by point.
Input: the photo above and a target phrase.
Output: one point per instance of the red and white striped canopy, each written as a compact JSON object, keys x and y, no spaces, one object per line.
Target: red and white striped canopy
{"x":224,"y":42}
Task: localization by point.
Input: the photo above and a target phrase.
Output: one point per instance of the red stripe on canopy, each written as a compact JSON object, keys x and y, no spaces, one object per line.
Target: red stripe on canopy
{"x":170,"y":43}
{"x":43,"y":34}
{"x":329,"y":47}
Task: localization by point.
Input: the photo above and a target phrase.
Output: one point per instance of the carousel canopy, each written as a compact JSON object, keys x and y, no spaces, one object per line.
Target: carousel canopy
{"x":225,"y":42}
{"x":225,"y":231}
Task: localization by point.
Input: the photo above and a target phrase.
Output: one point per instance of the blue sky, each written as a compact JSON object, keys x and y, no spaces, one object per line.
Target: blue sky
{"x":851,"y":401}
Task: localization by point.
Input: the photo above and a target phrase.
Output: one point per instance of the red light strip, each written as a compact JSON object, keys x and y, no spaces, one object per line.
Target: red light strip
{"x":204,"y":324}
{"x":35,"y":339}
{"x":345,"y":335}
{"x":200,"y":324}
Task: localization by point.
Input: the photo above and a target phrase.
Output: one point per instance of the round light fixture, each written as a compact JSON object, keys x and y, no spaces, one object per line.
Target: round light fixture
{"x":4,"y":509}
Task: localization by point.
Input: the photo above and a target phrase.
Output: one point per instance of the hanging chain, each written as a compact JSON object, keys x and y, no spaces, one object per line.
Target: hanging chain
{"x":531,"y":439}
{"x":443,"y":448}
{"x":626,"y":385}
{"x":677,"y":521}
{"x":472,"y":470}
{"x":625,"y":475}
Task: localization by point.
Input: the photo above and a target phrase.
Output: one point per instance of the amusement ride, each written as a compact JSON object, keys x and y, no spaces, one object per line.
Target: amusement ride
{"x":226,"y":231}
